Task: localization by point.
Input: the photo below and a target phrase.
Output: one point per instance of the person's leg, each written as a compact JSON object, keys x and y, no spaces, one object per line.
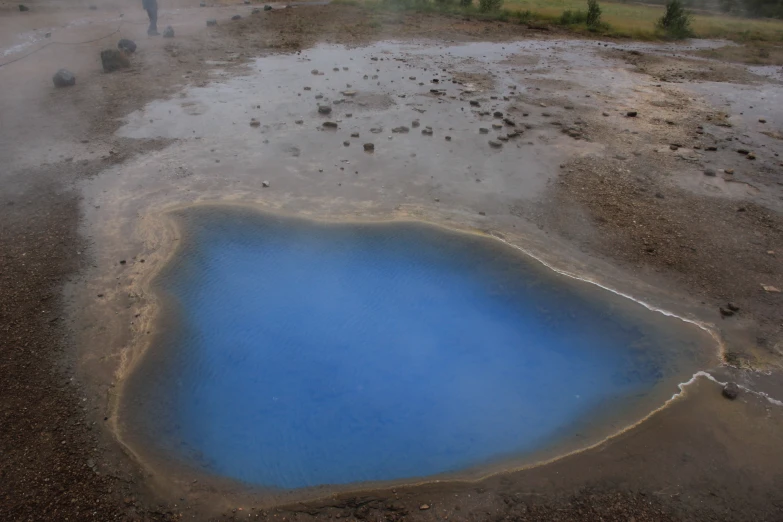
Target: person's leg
{"x":152,"y":12}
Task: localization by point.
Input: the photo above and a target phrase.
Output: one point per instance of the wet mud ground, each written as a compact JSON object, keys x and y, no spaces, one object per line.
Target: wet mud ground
{"x":680,"y":203}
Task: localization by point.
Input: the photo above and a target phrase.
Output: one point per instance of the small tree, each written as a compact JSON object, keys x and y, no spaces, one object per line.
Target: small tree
{"x":593,"y":13}
{"x":486,"y":6}
{"x":676,"y":21}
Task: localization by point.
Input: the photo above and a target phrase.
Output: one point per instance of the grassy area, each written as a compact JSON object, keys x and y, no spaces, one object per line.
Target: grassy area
{"x":625,"y":20}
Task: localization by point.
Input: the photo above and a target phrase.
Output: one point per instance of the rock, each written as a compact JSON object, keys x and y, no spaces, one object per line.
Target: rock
{"x":711,"y":148}
{"x":307,"y":88}
{"x":354,"y":135}
{"x":329,"y":125}
{"x":729,"y":171}
{"x":709,"y":172}
{"x":725,"y":312}
{"x":314,"y":71}
{"x":324,"y":109}
{"x":482,"y":213}
{"x":346,"y":143}
{"x":113,"y":60}
{"x":211,"y":22}
{"x":125,"y":45}
{"x":509,"y":122}
{"x":771,"y":289}
{"x":236,"y":17}
{"x":349,"y":93}
{"x":751,"y":156}
{"x":502,"y":138}
{"x":743,"y":151}
{"x":254,"y":122}
{"x":415,"y":124}
{"x":733,"y":307}
{"x":497,"y":126}
{"x":401,"y":129}
{"x":448,"y":138}
{"x":631,"y":114}
{"x":495,"y":144}
{"x":376,"y":130}
{"x":64,"y":78}
{"x":475,"y":103}
{"x":424,"y":507}
{"x":604,"y":114}
{"x":265,"y":184}
{"x":674,"y":147}
{"x":731,"y":390}
{"x":168,"y":32}
{"x":369,"y":147}
{"x":267,"y":7}
{"x":762,"y":120}
{"x":512,"y":134}
{"x":497,"y":114}
{"x":23,"y":8}
{"x":427,"y":131}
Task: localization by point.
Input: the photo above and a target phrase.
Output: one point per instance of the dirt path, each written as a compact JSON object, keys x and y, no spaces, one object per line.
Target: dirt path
{"x":644,"y":195}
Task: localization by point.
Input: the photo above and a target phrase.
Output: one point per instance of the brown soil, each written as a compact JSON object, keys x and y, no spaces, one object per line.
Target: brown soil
{"x":58,"y":463}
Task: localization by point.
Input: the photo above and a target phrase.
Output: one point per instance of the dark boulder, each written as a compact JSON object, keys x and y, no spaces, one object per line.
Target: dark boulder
{"x":731,"y":391}
{"x":211,"y":22}
{"x":267,"y":8}
{"x":113,"y":60}
{"x":64,"y":78}
{"x":23,"y":8}
{"x":127,"y":46}
{"x":236,"y":17}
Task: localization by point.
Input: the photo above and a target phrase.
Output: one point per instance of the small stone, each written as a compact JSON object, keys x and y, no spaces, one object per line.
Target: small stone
{"x":725,"y":312}
{"x":729,"y":171}
{"x":236,"y":17}
{"x":711,"y":148}
{"x":314,"y":71}
{"x":424,"y":507}
{"x":674,"y":147}
{"x":329,"y":125}
{"x":113,"y":60}
{"x":64,"y":78}
{"x":631,"y":114}
{"x":427,"y":131}
{"x":483,"y":130}
{"x":762,"y":120}
{"x":346,"y":143}
{"x":448,"y":138}
{"x":265,"y":184}
{"x":482,"y":213}
{"x":495,"y":144}
{"x":401,"y":129}
{"x":731,"y":390}
{"x":211,"y":22}
{"x":497,"y":114}
{"x":709,"y":172}
{"x":369,"y":147}
{"x":751,"y":156}
{"x":743,"y":151}
{"x":497,"y":126}
{"x":324,"y":109}
{"x":126,"y":46}
{"x":604,"y":114}
{"x":733,"y":307}
{"x":23,"y":8}
{"x":354,"y":135}
{"x":475,"y":103}
{"x":255,"y":123}
{"x":299,"y":122}
{"x":267,"y":7}
{"x":376,"y":130}
{"x":168,"y":32}
{"x":415,"y":124}
{"x":771,"y":289}
{"x":349,"y":93}
{"x":509,"y":122}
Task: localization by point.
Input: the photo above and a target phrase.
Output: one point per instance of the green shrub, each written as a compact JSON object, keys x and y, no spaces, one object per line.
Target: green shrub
{"x":676,"y":21}
{"x":465,"y":3}
{"x":487,"y":6}
{"x":572,"y":17}
{"x":593,"y":13}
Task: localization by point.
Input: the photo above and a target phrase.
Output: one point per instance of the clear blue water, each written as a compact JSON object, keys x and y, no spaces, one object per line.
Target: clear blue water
{"x":297,"y":354}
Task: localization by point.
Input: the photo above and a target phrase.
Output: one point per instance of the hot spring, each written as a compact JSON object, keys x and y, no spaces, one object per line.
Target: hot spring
{"x":291,"y":353}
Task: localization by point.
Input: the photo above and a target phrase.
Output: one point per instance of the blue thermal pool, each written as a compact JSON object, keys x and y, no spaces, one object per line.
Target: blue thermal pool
{"x":292,"y":354}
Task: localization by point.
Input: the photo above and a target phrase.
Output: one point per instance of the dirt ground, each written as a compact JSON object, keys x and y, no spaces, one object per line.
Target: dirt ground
{"x":681,"y":191}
